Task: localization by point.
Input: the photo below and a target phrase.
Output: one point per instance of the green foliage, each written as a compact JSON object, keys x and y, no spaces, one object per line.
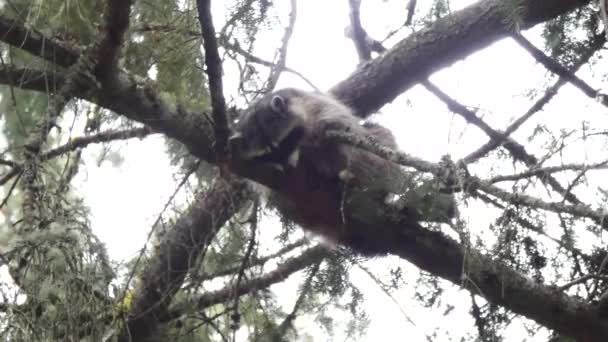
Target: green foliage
{"x":66,"y":279}
{"x":439,"y":9}
{"x":165,"y":46}
{"x":69,"y":20}
{"x":565,"y":36}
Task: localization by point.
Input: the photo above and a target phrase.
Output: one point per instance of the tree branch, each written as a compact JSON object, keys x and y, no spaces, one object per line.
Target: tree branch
{"x":309,"y":257}
{"x":595,"y":44}
{"x":448,"y":40}
{"x":15,"y":33}
{"x":182,"y":245}
{"x":214,"y":72}
{"x":254,"y":59}
{"x":563,"y":72}
{"x":102,"y":137}
{"x":545,"y":171}
{"x":116,"y":23}
{"x":517,"y":150}
{"x":275,"y":73}
{"x":357,"y":32}
{"x":256,"y":261}
{"x":30,"y":79}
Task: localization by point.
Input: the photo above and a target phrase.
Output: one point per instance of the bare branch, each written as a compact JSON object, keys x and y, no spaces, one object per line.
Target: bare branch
{"x":9,"y":175}
{"x":517,"y":150}
{"x":543,"y":171}
{"x":256,"y":261}
{"x":102,"y":137}
{"x":275,"y":73}
{"x":582,"y":280}
{"x":411,"y":8}
{"x":594,"y":45}
{"x":563,"y":72}
{"x":254,"y":59}
{"x":214,"y":72}
{"x":283,"y":271}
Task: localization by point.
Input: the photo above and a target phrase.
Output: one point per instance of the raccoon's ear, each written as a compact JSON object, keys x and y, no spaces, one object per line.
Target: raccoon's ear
{"x":278,"y":104}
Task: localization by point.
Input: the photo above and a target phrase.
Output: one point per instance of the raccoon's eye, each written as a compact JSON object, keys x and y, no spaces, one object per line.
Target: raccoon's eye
{"x":278,"y":104}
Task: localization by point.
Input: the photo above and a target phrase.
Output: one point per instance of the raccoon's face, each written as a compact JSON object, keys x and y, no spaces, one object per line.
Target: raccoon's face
{"x":268,"y":131}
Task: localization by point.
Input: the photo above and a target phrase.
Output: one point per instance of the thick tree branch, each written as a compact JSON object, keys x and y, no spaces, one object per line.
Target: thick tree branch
{"x":116,"y":23}
{"x":213,"y":63}
{"x":181,"y":246}
{"x":15,"y":33}
{"x":446,"y":41}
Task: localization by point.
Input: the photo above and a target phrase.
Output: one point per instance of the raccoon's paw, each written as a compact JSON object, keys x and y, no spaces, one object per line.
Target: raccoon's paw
{"x":292,"y":161}
{"x":346,"y":176}
{"x":324,"y":126}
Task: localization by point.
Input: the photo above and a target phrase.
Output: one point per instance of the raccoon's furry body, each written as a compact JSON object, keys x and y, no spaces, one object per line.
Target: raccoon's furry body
{"x":288,"y":124}
{"x":287,"y":128}
{"x":332,"y":182}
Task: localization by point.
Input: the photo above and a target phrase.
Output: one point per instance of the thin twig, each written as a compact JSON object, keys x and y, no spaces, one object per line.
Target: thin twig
{"x":517,"y":150}
{"x":540,"y":172}
{"x":595,"y":44}
{"x":101,"y":137}
{"x":555,"y":67}
{"x":275,"y":73}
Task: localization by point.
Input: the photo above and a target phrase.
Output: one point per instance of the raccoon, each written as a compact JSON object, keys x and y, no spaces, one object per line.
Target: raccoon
{"x":283,"y":125}
{"x":288,"y":128}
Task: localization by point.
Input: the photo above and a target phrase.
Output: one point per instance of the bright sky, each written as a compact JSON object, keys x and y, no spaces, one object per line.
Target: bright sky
{"x":126,"y":200}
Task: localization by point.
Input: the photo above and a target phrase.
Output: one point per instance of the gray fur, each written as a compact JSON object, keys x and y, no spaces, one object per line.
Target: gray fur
{"x":295,"y":128}
{"x":287,"y":127}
